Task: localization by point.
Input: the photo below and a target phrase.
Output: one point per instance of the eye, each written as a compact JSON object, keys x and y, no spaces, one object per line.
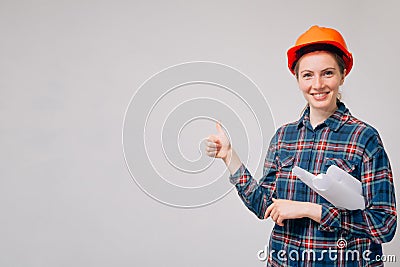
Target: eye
{"x":328,"y":73}
{"x":306,"y":75}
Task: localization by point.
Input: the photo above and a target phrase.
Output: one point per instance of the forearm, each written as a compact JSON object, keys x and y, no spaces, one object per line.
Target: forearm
{"x":313,"y":211}
{"x":257,"y":197}
{"x":232,"y":161}
{"x":283,"y":209}
{"x":376,"y":224}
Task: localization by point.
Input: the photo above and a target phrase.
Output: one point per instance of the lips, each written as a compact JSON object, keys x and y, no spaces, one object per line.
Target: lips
{"x":320,"y":96}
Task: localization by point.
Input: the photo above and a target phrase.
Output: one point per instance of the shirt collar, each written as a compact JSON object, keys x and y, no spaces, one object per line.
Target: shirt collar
{"x":334,"y":122}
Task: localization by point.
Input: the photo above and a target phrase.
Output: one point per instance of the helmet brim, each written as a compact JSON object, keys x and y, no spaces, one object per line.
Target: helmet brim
{"x":293,"y":56}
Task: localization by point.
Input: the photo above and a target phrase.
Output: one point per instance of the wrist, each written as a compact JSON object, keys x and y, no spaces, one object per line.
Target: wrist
{"x":313,"y":211}
{"x":227,"y":159}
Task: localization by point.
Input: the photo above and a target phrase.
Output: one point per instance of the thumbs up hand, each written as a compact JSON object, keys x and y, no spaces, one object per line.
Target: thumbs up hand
{"x":218,"y":145}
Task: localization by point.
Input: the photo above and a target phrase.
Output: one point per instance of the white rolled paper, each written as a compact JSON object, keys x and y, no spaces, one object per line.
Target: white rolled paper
{"x":336,"y":186}
{"x":343,"y":177}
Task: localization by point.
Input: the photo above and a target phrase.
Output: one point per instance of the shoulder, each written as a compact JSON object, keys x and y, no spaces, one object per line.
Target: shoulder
{"x":363,"y":127}
{"x":366,"y":134}
{"x":286,"y":134}
{"x":288,"y":127}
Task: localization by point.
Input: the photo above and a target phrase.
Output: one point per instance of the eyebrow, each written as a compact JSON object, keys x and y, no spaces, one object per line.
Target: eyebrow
{"x":329,"y":68}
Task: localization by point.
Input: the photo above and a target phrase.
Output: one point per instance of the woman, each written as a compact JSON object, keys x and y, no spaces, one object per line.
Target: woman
{"x":310,"y":231}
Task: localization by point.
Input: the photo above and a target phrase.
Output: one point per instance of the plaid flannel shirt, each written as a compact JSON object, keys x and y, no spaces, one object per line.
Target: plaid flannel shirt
{"x":355,"y":147}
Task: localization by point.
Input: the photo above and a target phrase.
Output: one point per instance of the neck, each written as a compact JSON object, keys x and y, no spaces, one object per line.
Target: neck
{"x":318,"y":116}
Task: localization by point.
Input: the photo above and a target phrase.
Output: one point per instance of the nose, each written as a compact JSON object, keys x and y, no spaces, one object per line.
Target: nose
{"x":318,"y":83}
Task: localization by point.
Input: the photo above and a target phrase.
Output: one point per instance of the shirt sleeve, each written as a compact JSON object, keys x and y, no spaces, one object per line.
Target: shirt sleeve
{"x":258,"y":196}
{"x":379,"y":220}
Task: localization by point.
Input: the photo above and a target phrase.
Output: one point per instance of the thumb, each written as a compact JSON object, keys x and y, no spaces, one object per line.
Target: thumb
{"x":219,"y":128}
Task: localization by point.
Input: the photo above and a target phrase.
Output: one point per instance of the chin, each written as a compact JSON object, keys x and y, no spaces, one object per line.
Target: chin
{"x":324,"y":105}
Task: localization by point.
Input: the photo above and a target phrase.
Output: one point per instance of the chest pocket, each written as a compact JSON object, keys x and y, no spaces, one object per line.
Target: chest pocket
{"x":351,"y":167}
{"x":285,"y":162}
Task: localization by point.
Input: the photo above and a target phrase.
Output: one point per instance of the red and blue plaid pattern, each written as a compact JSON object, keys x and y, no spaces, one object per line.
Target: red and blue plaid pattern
{"x":350,"y":144}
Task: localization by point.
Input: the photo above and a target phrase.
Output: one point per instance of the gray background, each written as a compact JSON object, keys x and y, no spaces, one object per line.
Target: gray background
{"x":67,"y":72}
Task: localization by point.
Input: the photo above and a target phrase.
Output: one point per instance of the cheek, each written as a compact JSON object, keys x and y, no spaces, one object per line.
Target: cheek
{"x":335,"y":86}
{"x":303,"y":86}
{"x":335,"y":94}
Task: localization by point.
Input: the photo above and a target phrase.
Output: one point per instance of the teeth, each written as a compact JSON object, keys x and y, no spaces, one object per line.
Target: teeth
{"x":319,"y":95}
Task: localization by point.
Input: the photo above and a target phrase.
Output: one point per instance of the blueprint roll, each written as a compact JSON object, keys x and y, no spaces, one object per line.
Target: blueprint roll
{"x":340,"y":189}
{"x":304,"y":176}
{"x":343,"y":177}
{"x":339,"y":194}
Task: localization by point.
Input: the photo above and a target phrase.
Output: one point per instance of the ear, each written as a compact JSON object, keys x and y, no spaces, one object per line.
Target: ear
{"x":343,"y":76}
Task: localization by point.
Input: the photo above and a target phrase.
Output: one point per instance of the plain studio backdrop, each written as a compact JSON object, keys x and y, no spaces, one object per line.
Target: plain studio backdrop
{"x":68,"y":70}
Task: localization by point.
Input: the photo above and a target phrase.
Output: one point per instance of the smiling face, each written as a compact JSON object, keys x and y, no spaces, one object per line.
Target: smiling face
{"x":319,"y":78}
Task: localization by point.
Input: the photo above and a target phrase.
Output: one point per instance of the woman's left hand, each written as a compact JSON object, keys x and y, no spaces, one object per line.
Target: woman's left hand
{"x":282,"y":209}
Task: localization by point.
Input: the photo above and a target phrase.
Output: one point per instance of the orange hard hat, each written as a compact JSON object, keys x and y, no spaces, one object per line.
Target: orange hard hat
{"x":320,"y":35}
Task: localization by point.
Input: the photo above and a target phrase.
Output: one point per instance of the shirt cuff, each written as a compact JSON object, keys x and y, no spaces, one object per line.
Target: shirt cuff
{"x":330,"y":218}
{"x":237,"y":176}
